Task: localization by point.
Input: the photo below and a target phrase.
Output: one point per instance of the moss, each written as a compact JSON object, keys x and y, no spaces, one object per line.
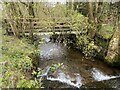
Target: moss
{"x":115,"y":61}
{"x":106,"y":31}
{"x":112,"y":56}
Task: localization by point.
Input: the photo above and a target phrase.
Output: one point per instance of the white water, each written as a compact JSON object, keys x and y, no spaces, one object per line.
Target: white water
{"x":66,"y":79}
{"x":51,"y":50}
{"x":99,"y":76}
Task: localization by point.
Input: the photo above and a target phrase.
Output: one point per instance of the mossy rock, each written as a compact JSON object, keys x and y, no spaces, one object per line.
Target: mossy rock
{"x":113,"y":54}
{"x":115,"y":61}
{"x":106,"y":31}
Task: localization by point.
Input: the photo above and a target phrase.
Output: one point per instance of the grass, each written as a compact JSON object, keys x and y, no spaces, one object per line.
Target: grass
{"x":15,"y":63}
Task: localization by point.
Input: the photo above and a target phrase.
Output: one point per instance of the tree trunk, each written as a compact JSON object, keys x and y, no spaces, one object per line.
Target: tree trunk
{"x":10,"y":18}
{"x":90,"y":11}
{"x":92,"y":32}
{"x":32,"y":15}
{"x":96,"y":11}
{"x":113,"y":49}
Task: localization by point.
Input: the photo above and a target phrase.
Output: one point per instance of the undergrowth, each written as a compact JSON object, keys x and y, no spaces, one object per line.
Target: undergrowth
{"x":16,"y":65}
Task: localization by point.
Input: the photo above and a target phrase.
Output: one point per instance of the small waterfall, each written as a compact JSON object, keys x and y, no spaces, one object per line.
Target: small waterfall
{"x":99,"y":76}
{"x":66,"y":79}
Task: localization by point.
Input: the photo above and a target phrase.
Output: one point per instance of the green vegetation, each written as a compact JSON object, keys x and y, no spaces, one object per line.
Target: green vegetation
{"x":97,"y":35}
{"x":106,"y":31}
{"x":16,"y":65}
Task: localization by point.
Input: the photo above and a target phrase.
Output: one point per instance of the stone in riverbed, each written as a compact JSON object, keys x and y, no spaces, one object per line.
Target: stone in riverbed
{"x":112,"y":84}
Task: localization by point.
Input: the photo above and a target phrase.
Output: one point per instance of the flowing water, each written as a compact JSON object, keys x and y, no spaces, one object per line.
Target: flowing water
{"x":76,"y":70}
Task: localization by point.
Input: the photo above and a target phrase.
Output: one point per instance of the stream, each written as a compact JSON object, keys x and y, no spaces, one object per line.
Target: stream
{"x":76,"y":70}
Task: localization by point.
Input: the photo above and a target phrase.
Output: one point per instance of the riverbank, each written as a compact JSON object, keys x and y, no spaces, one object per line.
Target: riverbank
{"x":104,"y":45}
{"x":16,"y":64}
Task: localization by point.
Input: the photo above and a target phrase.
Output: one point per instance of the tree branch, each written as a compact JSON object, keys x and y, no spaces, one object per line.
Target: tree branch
{"x":23,"y":3}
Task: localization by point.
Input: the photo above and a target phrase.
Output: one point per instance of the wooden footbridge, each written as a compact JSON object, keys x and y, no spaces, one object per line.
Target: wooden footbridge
{"x":42,"y":25}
